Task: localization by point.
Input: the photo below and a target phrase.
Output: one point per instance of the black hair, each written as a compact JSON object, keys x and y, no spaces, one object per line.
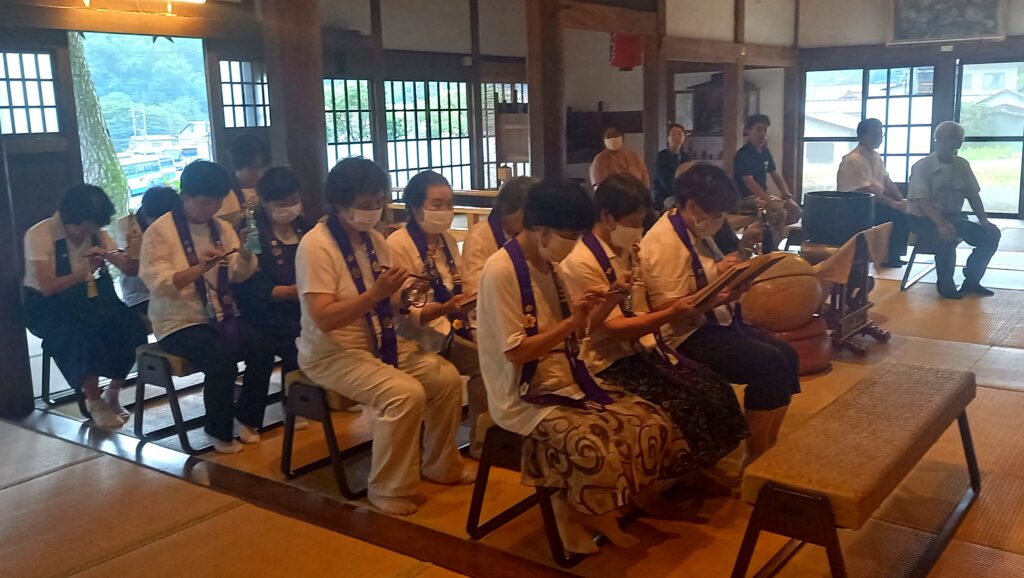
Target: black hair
{"x":205,"y":179}
{"x":621,"y":195}
{"x":352,"y":177}
{"x":249,"y":150}
{"x":278,"y":183}
{"x":86,"y":203}
{"x":559,"y":204}
{"x":415,"y":193}
{"x":673,"y":125}
{"x":708,"y":186}
{"x":756,"y":119}
{"x":155,"y":202}
{"x":865,"y":125}
{"x":512,"y":195}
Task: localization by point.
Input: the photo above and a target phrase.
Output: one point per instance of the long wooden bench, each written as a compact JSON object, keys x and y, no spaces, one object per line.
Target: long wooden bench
{"x":838,"y":468}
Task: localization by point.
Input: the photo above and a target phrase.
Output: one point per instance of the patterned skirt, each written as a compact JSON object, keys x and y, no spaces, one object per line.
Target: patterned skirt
{"x":700,"y":403}
{"x":601,"y":459}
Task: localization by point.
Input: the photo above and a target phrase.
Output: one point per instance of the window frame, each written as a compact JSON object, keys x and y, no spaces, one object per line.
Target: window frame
{"x":10,"y":107}
{"x":260,"y":93}
{"x":510,"y":93}
{"x":335,"y":144}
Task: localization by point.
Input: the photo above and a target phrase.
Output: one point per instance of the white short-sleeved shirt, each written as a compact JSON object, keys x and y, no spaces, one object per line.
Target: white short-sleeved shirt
{"x":861,"y":168}
{"x":668,"y":273}
{"x":40,"y":246}
{"x":580,"y":271}
{"x":320,"y":268}
{"x":231,"y":211}
{"x":404,"y":253}
{"x":133,"y":289}
{"x":477,"y":248}
{"x":172,"y":309}
{"x":500,"y":328}
{"x":946,"y":185}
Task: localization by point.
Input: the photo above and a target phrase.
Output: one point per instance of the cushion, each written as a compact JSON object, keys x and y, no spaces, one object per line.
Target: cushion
{"x":859,"y":448}
{"x":180,"y":367}
{"x":335,"y":400}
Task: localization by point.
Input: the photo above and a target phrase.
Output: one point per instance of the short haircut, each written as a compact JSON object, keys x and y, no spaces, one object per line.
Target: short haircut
{"x":155,"y":202}
{"x":621,"y":195}
{"x":949,"y":127}
{"x":559,"y":204}
{"x":352,"y":177}
{"x":415,"y":192}
{"x":512,"y":195}
{"x":249,"y":150}
{"x":708,"y":186}
{"x":676,"y":125}
{"x":611,"y":129}
{"x":867,"y":124}
{"x":278,"y":183}
{"x":756,"y":119}
{"x":85,"y":203}
{"x":205,"y":179}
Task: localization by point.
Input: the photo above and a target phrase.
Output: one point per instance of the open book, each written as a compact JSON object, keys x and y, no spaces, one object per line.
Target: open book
{"x":737,"y":276}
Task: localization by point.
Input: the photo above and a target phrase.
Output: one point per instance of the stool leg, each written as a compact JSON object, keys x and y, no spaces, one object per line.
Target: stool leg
{"x":835,"y":557}
{"x":746,"y":552}
{"x":46,"y":380}
{"x":476,"y":503}
{"x":909,"y":270}
{"x":336,"y":462}
{"x":288,"y":441}
{"x":140,"y":402}
{"x":547,"y":510}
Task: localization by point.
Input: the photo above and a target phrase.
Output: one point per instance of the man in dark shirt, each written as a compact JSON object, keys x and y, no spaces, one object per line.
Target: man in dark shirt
{"x":668,"y":161}
{"x":752,"y":166}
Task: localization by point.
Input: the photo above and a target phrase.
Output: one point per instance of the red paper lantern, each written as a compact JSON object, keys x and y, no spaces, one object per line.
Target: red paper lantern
{"x":627,"y":51}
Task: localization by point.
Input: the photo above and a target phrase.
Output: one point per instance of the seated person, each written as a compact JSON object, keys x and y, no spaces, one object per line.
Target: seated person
{"x":668,"y":161}
{"x":155,"y":202}
{"x":580,"y":439}
{"x":615,"y":159}
{"x":751,"y":168}
{"x":624,"y":348}
{"x":189,"y":260}
{"x":424,"y":248}
{"x":862,"y":170}
{"x":250,"y":156}
{"x":70,"y":302}
{"x":679,"y":258}
{"x":486,"y":237}
{"x":939,"y":184}
{"x":269,"y":300}
{"x":348,"y":342}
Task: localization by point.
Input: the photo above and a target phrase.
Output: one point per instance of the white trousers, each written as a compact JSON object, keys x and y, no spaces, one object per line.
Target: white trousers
{"x":425,"y":390}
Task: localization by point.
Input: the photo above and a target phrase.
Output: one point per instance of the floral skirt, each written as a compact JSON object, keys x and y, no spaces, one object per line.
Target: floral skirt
{"x":601,"y":459}
{"x":700,"y":403}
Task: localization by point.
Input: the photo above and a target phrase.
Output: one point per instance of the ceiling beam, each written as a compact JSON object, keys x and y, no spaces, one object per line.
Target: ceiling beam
{"x":601,"y":18}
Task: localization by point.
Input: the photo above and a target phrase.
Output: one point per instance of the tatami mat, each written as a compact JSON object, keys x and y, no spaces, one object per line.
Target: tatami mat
{"x":875,"y":551}
{"x":965,"y":560}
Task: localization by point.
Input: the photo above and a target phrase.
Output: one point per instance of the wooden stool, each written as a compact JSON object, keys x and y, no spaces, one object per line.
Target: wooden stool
{"x":159,"y":368}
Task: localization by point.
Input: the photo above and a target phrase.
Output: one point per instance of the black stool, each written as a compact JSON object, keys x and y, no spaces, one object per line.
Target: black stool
{"x":45,"y":387}
{"x":920,"y":248}
{"x":159,"y":368}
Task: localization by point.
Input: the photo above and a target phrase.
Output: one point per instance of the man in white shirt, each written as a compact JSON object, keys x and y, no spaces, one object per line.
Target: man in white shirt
{"x":862,"y":170}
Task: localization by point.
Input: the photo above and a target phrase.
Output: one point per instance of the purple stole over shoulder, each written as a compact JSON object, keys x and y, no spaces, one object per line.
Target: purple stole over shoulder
{"x":494,"y":221}
{"x":699,"y":275}
{"x":594,"y":396}
{"x":459,"y":321}
{"x":387,"y":348}
{"x":223,"y":288}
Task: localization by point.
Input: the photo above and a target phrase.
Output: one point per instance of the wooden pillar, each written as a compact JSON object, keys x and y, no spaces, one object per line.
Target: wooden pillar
{"x":545,"y":63}
{"x":655,"y":101}
{"x":792,"y":121}
{"x":378,"y":104}
{"x":16,"y":386}
{"x":294,"y":52}
{"x":476,"y":101}
{"x":732,"y":112}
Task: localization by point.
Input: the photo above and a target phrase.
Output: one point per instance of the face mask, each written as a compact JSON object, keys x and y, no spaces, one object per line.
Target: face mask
{"x":285,"y":215}
{"x":707,"y":228}
{"x":625,"y":237}
{"x":613,"y":144}
{"x":557,"y":249}
{"x":436,"y":222}
{"x":362,"y":220}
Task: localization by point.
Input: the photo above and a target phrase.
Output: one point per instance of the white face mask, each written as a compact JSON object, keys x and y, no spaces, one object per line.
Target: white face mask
{"x":362,"y":220}
{"x":436,"y":222}
{"x":625,"y":237}
{"x":285,"y":215}
{"x":613,"y":144}
{"x":707,"y":228}
{"x":557,"y":249}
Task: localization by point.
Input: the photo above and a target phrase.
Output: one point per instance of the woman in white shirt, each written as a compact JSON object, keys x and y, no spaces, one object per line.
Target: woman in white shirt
{"x":348,"y":292}
{"x":486,"y":237}
{"x":155,"y":203}
{"x":189,"y":260}
{"x":600,"y":449}
{"x":425,"y":248}
{"x":679,"y":258}
{"x":626,"y":349}
{"x":70,"y":301}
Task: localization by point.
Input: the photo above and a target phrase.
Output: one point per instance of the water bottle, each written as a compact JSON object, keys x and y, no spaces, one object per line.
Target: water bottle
{"x":252,"y":233}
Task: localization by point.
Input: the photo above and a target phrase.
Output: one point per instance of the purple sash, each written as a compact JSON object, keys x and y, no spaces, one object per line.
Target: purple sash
{"x":459,"y":321}
{"x":283,"y":261}
{"x":593,"y":396}
{"x":227,"y":326}
{"x":699,"y":275}
{"x":387,"y":348}
{"x":494,"y":220}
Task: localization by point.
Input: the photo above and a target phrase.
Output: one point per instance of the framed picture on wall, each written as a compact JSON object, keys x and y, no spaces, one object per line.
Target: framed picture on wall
{"x":930,"y":21}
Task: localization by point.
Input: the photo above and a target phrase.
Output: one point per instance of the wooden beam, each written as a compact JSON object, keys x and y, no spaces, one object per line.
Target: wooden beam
{"x":206,"y":21}
{"x":380,"y":120}
{"x":739,"y":31}
{"x":476,"y":121}
{"x":602,"y":18}
{"x":770,"y":56}
{"x":792,"y":118}
{"x":655,"y":101}
{"x":545,"y":65}
{"x":503,"y":70}
{"x":676,"y":48}
{"x":16,"y":391}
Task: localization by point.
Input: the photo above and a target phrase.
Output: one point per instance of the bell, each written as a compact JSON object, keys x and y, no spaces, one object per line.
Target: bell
{"x":413,"y":296}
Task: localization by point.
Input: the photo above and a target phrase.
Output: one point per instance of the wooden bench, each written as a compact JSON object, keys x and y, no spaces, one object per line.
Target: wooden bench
{"x":838,"y":468}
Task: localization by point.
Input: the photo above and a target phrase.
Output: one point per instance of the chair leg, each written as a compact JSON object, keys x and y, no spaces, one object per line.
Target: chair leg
{"x":179,"y":420}
{"x":288,"y":441}
{"x":972,"y":459}
{"x":46,"y":380}
{"x":558,"y":553}
{"x":140,"y":405}
{"x":337,"y":464}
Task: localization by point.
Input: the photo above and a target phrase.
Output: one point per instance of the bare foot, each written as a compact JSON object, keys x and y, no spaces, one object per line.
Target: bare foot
{"x":392,"y":505}
{"x":607,"y":524}
{"x":467,"y":477}
{"x":575,"y":537}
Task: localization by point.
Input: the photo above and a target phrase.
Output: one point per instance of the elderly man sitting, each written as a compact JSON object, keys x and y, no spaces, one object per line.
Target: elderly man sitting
{"x":939,"y":184}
